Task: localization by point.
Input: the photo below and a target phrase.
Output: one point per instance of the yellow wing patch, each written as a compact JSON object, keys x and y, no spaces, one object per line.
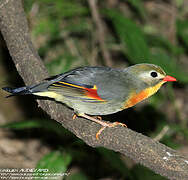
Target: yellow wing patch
{"x":68,"y":84}
{"x":50,"y":94}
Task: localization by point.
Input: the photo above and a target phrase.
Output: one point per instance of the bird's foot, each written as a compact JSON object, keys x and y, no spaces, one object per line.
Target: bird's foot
{"x":109,"y":125}
{"x":98,"y":120}
{"x":74,"y":116}
{"x":98,"y":117}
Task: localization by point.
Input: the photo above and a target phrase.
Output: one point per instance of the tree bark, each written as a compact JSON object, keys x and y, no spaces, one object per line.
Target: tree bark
{"x":154,"y":155}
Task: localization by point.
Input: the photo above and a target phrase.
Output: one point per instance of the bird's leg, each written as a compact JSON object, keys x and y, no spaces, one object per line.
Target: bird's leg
{"x":74,"y":116}
{"x":103,"y":123}
{"x":98,"y":117}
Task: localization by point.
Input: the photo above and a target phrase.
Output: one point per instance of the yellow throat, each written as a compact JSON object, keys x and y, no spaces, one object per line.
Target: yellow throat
{"x":135,"y":98}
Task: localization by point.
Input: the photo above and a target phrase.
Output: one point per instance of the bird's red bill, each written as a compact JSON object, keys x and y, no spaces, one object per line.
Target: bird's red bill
{"x":169,"y":78}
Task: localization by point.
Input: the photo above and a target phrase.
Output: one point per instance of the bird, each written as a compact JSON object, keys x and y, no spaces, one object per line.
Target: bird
{"x":95,"y":91}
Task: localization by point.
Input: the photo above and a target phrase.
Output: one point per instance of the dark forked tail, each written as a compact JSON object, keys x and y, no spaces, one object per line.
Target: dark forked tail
{"x":27,"y":89}
{"x":17,"y":91}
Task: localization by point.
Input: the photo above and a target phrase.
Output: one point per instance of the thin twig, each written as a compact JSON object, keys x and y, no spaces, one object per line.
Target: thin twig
{"x":100,"y":31}
{"x":70,"y":44}
{"x":161,"y":134}
{"x":94,"y":55}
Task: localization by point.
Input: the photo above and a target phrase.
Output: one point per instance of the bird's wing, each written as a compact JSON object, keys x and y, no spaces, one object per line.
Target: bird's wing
{"x":77,"y":91}
{"x":79,"y":84}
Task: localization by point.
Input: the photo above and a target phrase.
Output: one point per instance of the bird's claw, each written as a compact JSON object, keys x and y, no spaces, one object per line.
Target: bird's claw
{"x":74,"y":116}
{"x":109,"y":125}
{"x":98,"y":120}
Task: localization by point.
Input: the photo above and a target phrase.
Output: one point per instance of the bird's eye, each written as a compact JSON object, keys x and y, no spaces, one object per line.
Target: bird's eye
{"x":154,"y":74}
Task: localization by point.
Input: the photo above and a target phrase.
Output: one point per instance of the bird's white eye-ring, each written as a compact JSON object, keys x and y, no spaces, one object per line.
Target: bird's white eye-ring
{"x":153,"y":74}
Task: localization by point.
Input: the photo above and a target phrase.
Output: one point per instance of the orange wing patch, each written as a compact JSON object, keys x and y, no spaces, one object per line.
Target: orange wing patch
{"x":92,"y":93}
{"x":87,"y":91}
{"x":135,"y":98}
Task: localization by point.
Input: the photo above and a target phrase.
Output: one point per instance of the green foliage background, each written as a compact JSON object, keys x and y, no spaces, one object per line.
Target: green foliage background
{"x":66,"y":37}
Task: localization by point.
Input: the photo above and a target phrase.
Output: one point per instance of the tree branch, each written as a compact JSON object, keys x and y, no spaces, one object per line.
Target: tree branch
{"x":100,"y":32}
{"x":158,"y":157}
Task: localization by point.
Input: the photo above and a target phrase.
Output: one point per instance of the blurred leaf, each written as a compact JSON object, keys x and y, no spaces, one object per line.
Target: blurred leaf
{"x":22,"y":124}
{"x":46,"y":1}
{"x":76,"y":176}
{"x":64,"y":8}
{"x":137,"y":49}
{"x":77,"y":153}
{"x":28,"y":5}
{"x":38,"y":123}
{"x":141,"y":173}
{"x":115,"y":161}
{"x":182,"y":30}
{"x":168,"y":141}
{"x":61,"y":64}
{"x":131,"y":36}
{"x":179,"y":3}
{"x":47,"y":26}
{"x":169,"y":65}
{"x":54,"y":162}
{"x":178,"y":129}
{"x":70,"y":8}
{"x":138,"y":5}
{"x":79,"y":26}
{"x":159,"y":41}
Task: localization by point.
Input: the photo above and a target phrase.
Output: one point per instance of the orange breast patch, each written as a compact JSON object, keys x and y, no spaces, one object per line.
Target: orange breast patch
{"x":135,"y":98}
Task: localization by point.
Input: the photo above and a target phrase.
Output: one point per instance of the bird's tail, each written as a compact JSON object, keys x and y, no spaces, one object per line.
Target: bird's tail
{"x":18,"y":91}
{"x":41,"y":87}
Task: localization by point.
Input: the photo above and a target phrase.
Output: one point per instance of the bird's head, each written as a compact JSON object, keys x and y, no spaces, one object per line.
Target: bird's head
{"x":150,"y":74}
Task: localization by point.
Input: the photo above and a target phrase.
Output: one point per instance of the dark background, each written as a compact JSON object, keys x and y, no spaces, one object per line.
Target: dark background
{"x":69,"y":34}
